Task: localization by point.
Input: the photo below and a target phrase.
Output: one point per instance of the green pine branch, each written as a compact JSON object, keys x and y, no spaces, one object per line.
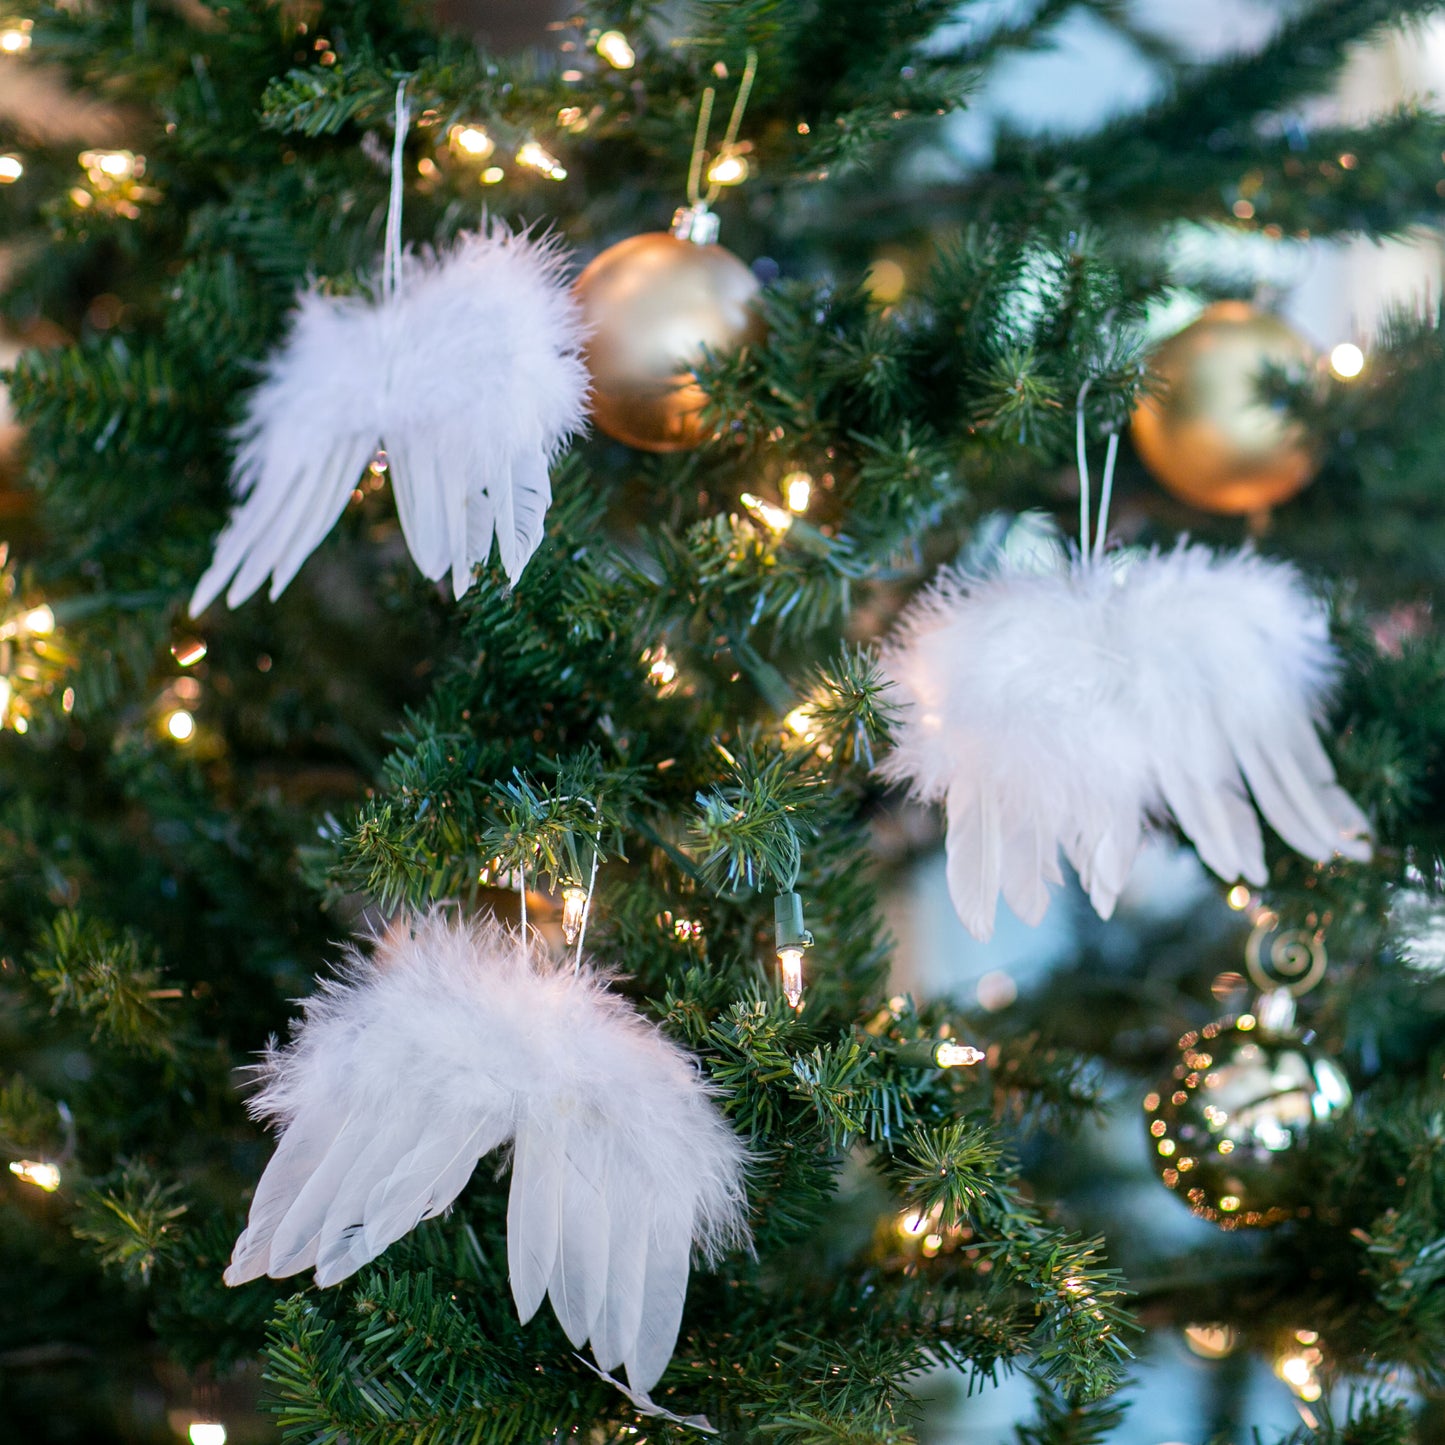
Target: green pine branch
{"x":133,"y":1224}
{"x":111,"y":979}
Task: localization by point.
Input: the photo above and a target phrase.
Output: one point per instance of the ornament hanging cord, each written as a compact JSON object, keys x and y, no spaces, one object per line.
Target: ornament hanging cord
{"x":1106,"y":487}
{"x":587,"y":905}
{"x":391,"y":255}
{"x":695,"y":196}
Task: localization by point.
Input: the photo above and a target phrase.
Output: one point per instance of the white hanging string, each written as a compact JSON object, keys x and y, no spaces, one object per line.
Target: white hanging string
{"x":587,"y":906}
{"x":695,"y":195}
{"x":1106,"y":494}
{"x":1082,"y":453}
{"x":1106,"y":485}
{"x":391,"y":256}
{"x":522,"y":894}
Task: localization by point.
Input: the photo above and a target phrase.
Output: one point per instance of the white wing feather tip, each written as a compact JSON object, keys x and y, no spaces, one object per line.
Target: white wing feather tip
{"x":1060,"y":711}
{"x":472,"y":378}
{"x":451,"y":1039}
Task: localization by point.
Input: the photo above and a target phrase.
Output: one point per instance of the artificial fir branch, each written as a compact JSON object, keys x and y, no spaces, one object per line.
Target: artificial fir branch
{"x":1059,"y":1422}
{"x":1366,"y":1420}
{"x":132,"y":1224}
{"x":30,"y":1124}
{"x":87,"y":969}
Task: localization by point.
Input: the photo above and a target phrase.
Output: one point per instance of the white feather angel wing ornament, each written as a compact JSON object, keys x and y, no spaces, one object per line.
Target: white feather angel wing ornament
{"x":467,"y":373}
{"x":1060,"y":710}
{"x":450,"y":1041}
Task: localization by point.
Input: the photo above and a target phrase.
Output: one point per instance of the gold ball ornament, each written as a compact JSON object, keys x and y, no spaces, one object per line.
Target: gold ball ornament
{"x":1210,"y":437}
{"x":655,"y":303}
{"x":1239,"y":1102}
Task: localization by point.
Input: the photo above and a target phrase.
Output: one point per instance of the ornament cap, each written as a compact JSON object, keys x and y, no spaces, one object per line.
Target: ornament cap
{"x":1275,"y":1011}
{"x":698,"y":224}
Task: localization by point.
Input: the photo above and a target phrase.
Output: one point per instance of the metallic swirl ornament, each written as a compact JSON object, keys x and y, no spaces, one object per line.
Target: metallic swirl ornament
{"x":1288,"y":958}
{"x":1247,"y":1090}
{"x":1241,"y":1098}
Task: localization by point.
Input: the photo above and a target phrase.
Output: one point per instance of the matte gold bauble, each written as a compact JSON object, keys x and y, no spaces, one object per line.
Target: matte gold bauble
{"x":1238,"y":1104}
{"x":1210,"y":437}
{"x":655,"y":303}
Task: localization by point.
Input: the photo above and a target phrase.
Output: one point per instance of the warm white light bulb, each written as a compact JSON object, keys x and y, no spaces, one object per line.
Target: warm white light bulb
{"x":1294,"y":1369}
{"x":798,"y":491}
{"x":574,"y":911}
{"x":773,"y":517}
{"x":1299,"y":1369}
{"x":612,"y":46}
{"x":472,"y":140}
{"x":42,"y":1176}
{"x":15,"y":38}
{"x":40,"y":621}
{"x":541,"y":159}
{"x":1347,"y":361}
{"x":729,"y":170}
{"x":951,"y":1055}
{"x":802,"y":722}
{"x":661,"y":669}
{"x":913,"y":1223}
{"x":181,"y":725}
{"x":207,"y":1432}
{"x":11,"y":169}
{"x":189,"y":651}
{"x":792,"y":961}
{"x":112,"y":165}
{"x":492,"y":175}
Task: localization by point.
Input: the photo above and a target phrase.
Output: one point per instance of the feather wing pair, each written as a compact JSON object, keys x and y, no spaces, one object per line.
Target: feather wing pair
{"x":1059,"y":710}
{"x":450,"y":1041}
{"x":470,"y":377}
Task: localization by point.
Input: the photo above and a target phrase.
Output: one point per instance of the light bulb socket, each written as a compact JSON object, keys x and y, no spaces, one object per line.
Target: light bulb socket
{"x":936,"y":1054}
{"x":788,"y":927}
{"x":792,"y":938}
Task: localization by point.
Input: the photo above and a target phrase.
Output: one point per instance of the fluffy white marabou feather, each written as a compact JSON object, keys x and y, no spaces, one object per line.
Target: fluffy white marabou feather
{"x":1063,"y":710}
{"x":471,"y":377}
{"x":452,"y":1039}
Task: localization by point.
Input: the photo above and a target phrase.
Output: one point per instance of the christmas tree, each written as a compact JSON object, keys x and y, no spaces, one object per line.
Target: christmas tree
{"x":658,"y":696}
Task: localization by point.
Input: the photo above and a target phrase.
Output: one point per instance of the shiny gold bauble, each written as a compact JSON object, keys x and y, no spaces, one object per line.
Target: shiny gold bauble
{"x":1210,"y":436}
{"x":1239,"y":1102}
{"x":655,"y":304}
